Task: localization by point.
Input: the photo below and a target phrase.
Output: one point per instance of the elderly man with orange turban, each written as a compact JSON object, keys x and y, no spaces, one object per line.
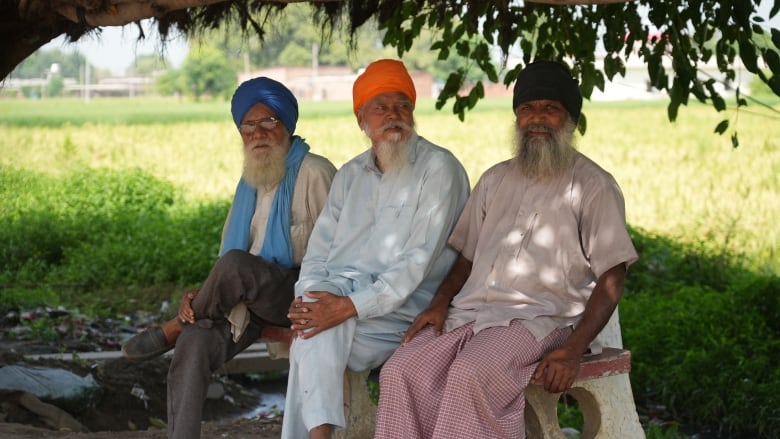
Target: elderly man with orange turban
{"x":377,"y":254}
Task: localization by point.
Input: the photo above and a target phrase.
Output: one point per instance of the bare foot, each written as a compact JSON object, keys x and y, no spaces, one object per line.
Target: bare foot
{"x":324,"y":431}
{"x":172,"y":329}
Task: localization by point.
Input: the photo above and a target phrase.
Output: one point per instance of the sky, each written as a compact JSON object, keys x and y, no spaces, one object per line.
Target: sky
{"x":117,"y":46}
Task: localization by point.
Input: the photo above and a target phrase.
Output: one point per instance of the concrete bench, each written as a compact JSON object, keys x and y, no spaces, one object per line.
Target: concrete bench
{"x":603,"y":393}
{"x":602,"y":390}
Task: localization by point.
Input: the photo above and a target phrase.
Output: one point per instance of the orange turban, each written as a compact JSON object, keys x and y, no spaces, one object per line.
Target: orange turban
{"x":382,"y":76}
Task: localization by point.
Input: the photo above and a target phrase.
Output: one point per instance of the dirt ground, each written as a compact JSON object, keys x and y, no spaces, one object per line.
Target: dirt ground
{"x":239,"y":429}
{"x":119,"y":412}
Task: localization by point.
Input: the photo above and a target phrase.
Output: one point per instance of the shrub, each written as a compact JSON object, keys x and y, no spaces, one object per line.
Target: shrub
{"x":708,"y":355}
{"x":98,"y":229}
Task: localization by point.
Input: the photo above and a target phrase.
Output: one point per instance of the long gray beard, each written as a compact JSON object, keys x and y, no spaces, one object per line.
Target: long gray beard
{"x":267,"y":172}
{"x":545,"y":157}
{"x":392,"y":156}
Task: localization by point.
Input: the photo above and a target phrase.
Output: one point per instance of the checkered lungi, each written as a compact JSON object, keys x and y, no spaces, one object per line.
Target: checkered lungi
{"x":461,"y":384}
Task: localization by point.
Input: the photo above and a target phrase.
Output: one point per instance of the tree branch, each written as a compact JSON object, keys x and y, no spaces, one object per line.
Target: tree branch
{"x":122,"y":12}
{"x":577,"y":2}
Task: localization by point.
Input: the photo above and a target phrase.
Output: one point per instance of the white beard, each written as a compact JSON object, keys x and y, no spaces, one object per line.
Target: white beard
{"x":392,"y":155}
{"x":545,"y":157}
{"x":265,"y":170}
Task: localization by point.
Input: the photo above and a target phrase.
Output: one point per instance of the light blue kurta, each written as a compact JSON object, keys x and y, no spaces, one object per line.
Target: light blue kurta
{"x":382,"y":241}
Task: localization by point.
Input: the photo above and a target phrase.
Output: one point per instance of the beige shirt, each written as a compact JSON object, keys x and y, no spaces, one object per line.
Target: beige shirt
{"x":538,"y":248}
{"x":311,"y":192}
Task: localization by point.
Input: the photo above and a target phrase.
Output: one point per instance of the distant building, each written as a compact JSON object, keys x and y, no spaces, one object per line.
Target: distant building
{"x":332,"y":83}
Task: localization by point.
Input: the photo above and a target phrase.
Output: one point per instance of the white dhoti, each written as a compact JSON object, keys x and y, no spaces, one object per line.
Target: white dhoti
{"x":315,"y":385}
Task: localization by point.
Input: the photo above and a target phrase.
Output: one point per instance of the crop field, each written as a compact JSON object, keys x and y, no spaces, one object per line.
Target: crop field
{"x":679,"y":179}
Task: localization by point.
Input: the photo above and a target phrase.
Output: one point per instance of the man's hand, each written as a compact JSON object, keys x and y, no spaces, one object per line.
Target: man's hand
{"x":434,"y":315}
{"x":558,"y":369}
{"x":310,"y":318}
{"x":186,"y":314}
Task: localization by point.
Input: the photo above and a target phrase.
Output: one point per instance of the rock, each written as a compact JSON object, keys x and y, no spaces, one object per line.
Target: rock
{"x":57,"y":386}
{"x":51,"y":415}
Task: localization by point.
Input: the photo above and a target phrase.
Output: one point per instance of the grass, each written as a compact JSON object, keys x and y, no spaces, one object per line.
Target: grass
{"x":679,"y":179}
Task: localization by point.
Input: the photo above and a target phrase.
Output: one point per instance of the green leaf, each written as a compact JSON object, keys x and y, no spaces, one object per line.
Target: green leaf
{"x":722,"y":126}
{"x":776,"y":37}
{"x":747,"y":52}
{"x":582,"y":124}
{"x":774,"y":84}
{"x":734,"y":140}
{"x":463,"y":48}
{"x":477,"y":93}
{"x":772,"y":60}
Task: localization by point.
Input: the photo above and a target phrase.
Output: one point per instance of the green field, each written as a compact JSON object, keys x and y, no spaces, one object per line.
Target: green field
{"x":679,"y":179}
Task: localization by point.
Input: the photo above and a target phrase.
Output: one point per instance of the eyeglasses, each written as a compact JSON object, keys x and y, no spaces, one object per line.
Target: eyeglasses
{"x":249,"y":127}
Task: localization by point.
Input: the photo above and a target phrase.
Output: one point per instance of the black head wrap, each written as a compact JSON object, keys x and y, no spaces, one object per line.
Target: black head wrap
{"x":548,"y":80}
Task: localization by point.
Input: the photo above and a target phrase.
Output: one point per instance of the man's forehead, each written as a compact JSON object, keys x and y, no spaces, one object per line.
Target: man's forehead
{"x":259,"y":110}
{"x":391,"y":96}
{"x":539,"y":102}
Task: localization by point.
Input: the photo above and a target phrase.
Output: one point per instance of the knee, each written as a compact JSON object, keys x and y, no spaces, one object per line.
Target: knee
{"x":395,"y":369}
{"x":194,"y":341}
{"x":231,"y":259}
{"x":465,"y":371}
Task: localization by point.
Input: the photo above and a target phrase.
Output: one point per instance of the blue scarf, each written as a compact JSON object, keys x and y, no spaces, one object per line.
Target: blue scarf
{"x":277,"y":246}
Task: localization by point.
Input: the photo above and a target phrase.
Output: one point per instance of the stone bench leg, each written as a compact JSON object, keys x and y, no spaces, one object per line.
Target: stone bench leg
{"x":359,"y":411}
{"x":607,"y":406}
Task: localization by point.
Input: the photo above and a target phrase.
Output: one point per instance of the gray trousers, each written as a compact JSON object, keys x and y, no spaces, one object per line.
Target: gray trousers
{"x":237,"y":277}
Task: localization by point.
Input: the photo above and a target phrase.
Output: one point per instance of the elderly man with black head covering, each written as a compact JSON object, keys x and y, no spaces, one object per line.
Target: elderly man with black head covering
{"x":377,"y":254}
{"x":543,"y":254}
{"x":278,"y":198}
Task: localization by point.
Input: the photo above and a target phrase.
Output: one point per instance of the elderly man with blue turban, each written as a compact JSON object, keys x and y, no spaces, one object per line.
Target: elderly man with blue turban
{"x":251,"y":286}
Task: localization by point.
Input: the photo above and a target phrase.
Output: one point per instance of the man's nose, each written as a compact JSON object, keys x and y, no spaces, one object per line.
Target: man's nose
{"x":394,"y":111}
{"x":258,"y":133}
{"x":538,"y":118}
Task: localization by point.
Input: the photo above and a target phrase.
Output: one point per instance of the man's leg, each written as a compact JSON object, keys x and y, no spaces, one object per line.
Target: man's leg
{"x":412,"y":383}
{"x":315,"y":382}
{"x":237,"y":277}
{"x":201,"y":349}
{"x":314,"y":404}
{"x":484,"y":391}
{"x":240,"y":277}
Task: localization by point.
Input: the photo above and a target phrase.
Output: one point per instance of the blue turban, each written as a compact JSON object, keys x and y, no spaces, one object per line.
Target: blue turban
{"x":272,"y":93}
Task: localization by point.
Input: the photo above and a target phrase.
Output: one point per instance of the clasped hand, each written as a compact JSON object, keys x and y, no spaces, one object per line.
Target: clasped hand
{"x":186,"y":314}
{"x":558,"y":369}
{"x":328,"y":310}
